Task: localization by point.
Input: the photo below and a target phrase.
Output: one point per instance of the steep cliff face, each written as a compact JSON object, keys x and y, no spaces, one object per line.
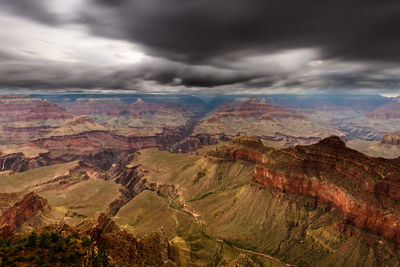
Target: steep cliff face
{"x":363,"y":215}
{"x":364,"y":189}
{"x":22,"y":211}
{"x":244,"y":148}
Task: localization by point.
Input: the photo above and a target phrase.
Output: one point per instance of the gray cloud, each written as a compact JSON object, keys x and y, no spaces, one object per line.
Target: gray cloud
{"x":225,"y":45}
{"x":201,"y":30}
{"x":48,"y":74}
{"x":36,"y":10}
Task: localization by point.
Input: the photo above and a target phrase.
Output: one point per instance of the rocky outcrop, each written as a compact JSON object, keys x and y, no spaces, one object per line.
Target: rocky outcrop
{"x":17,"y":162}
{"x":193,"y":143}
{"x":77,"y":125}
{"x":6,"y":232}
{"x":364,"y":189}
{"x":22,"y":211}
{"x":391,"y":139}
{"x":132,"y":179}
{"x":104,"y":226}
{"x":362,"y":215}
{"x":249,"y":149}
{"x":125,"y":250}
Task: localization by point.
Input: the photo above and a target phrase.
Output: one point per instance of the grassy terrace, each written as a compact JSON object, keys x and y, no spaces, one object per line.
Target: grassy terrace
{"x":29,"y":179}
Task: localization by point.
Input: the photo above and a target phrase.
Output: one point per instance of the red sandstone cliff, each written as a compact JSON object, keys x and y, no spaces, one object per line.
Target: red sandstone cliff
{"x":22,"y":211}
{"x":364,"y":189}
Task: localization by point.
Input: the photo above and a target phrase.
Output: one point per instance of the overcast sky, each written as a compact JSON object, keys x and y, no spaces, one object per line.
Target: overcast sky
{"x":200,"y":46}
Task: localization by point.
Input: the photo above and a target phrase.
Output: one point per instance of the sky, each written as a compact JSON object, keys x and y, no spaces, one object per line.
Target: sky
{"x":200,"y":46}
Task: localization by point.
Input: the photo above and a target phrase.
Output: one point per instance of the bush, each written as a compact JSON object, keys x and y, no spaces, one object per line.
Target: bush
{"x":32,"y":240}
{"x":101,"y":260}
{"x":86,"y":241}
{"x":75,"y":235}
{"x":31,"y":258}
{"x":44,"y":240}
{"x":39,"y":261}
{"x":63,"y":258}
{"x":39,"y":252}
{"x":19,"y":258}
{"x":4,"y":259}
{"x":52,"y":258}
{"x":59,"y":246}
{"x":54,"y":237}
{"x":72,"y":257}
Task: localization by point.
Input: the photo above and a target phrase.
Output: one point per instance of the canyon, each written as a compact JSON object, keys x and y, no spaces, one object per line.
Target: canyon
{"x":266,"y":180}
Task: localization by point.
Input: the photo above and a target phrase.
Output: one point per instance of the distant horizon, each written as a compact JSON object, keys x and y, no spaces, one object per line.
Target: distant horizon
{"x":199,"y":94}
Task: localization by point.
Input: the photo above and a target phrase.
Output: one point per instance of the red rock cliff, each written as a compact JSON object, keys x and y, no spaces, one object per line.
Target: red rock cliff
{"x":29,"y":206}
{"x":331,"y":172}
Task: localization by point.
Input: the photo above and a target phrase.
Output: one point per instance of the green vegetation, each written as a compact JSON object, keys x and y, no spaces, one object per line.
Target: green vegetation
{"x":51,"y":249}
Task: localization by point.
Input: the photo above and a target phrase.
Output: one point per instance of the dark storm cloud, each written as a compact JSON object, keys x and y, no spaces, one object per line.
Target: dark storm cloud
{"x":48,"y":75}
{"x":203,"y":29}
{"x":207,"y":43}
{"x":36,"y":9}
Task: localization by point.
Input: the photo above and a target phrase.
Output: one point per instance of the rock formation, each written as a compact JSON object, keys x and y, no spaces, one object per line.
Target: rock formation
{"x":77,"y":125}
{"x":126,"y":250}
{"x":363,"y":188}
{"x":391,"y":139}
{"x":256,"y":117}
{"x":22,"y":211}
